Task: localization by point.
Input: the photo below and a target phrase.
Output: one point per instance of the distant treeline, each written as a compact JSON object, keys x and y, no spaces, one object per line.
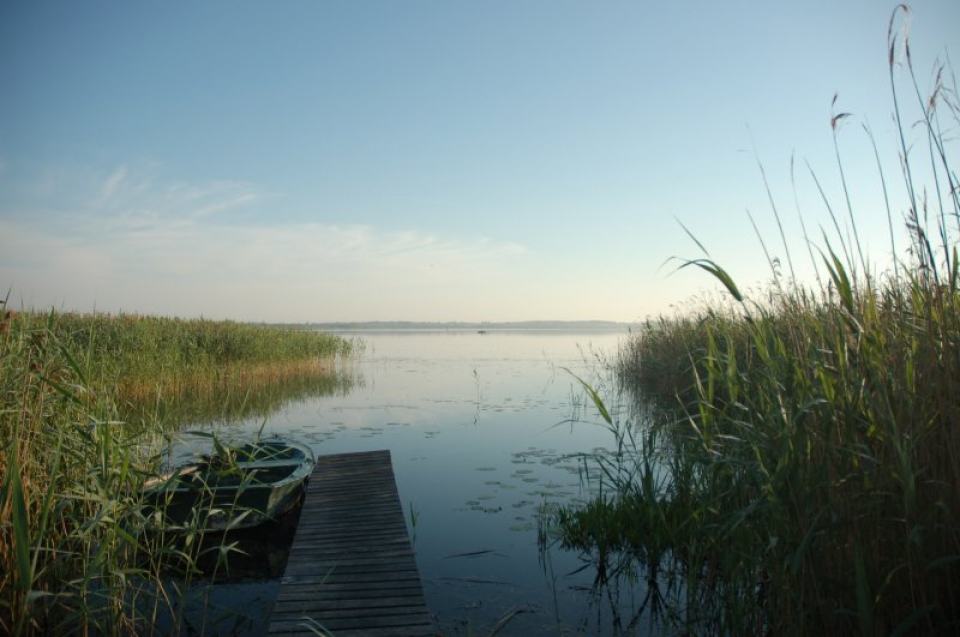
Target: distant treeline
{"x":580,"y":326}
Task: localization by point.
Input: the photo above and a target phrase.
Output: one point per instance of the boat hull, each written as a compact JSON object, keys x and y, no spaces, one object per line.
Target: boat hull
{"x":263,"y":484}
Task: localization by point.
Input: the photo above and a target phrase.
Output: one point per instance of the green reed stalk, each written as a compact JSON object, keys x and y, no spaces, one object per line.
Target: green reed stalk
{"x":77,"y":550}
{"x":796,"y":467}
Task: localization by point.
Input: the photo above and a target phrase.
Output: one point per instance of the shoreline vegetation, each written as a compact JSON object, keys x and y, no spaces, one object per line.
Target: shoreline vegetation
{"x":794,"y":467}
{"x":786,"y":464}
{"x":86,"y":402}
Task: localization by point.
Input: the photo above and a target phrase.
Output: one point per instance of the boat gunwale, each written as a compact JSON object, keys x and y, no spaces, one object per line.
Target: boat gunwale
{"x":303,"y":468}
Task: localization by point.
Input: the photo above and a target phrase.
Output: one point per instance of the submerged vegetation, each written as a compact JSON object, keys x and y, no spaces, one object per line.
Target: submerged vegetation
{"x":797,"y":467}
{"x":84,"y":403}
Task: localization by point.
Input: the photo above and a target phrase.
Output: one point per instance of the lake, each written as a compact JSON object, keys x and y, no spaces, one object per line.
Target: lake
{"x":484,"y":430}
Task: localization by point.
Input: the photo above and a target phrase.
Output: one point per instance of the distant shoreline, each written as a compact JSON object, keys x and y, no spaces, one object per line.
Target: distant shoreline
{"x":457,"y":326}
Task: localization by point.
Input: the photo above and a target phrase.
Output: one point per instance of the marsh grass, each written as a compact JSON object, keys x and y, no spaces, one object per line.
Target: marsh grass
{"x":78,"y":551}
{"x":135,"y":354}
{"x":798,"y":467}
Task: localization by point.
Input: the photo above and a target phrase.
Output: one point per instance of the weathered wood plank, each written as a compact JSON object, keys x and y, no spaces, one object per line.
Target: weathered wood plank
{"x":348,"y":589}
{"x":330,"y":563}
{"x":349,"y":615}
{"x":295,"y":630}
{"x":318,"y":550}
{"x":337,"y":571}
{"x":344,"y":626}
{"x":337,"y":559}
{"x":338,"y":532}
{"x":350,"y":578}
{"x":379,"y":601}
{"x":351,"y":567}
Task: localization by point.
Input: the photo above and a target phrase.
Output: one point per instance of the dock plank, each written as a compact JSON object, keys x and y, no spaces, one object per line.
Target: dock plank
{"x":352,"y":568}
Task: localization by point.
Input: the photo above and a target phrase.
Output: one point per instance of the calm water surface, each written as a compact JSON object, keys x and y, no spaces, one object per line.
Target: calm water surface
{"x":479,"y":430}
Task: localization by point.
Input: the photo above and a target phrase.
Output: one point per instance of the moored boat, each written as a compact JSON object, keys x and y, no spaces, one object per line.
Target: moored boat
{"x":234,"y":488}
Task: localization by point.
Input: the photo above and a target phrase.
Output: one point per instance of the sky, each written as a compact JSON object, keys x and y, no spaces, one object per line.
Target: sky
{"x":435,"y":161}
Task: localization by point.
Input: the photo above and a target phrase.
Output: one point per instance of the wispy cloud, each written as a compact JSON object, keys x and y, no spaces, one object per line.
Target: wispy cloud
{"x":166,"y":248}
{"x":130,"y":200}
{"x":112,"y":184}
{"x":223,"y":205}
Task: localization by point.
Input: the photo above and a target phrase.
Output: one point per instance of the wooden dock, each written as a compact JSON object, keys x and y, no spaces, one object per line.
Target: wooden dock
{"x":351,"y":569}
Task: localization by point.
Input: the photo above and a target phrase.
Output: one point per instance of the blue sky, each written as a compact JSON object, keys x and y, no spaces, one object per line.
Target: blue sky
{"x":311,"y":161}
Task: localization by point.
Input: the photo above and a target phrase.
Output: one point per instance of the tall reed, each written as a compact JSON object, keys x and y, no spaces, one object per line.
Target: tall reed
{"x":77,"y":552}
{"x":799,"y":469}
{"x":134,"y":351}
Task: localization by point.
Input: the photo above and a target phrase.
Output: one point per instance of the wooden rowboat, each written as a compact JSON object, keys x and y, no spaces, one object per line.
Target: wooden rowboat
{"x":234,"y":488}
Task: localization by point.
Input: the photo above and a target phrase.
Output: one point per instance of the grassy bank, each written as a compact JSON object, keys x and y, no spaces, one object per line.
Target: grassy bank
{"x":798,"y":467}
{"x":84,"y":400}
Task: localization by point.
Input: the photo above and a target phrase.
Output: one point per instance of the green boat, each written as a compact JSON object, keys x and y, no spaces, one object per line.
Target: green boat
{"x":235,"y":488}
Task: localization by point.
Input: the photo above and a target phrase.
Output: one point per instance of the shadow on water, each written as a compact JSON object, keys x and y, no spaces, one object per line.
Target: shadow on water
{"x":652,"y":539}
{"x":636,"y":578}
{"x":446,"y":405}
{"x":230,"y":587}
{"x":256,"y":553}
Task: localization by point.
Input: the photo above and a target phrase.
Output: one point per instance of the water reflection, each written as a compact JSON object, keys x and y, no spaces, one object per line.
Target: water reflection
{"x":485,"y":432}
{"x":245,"y":400}
{"x":234,"y":578}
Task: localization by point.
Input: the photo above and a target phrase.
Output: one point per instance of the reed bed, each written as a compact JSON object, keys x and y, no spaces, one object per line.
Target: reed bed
{"x":85,"y":404}
{"x":796,"y":468}
{"x":137,"y":352}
